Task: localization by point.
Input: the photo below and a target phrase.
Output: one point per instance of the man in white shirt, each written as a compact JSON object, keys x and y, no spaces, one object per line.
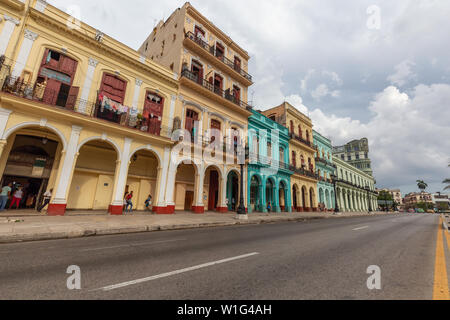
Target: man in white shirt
{"x":4,"y":196}
{"x":47,"y":198}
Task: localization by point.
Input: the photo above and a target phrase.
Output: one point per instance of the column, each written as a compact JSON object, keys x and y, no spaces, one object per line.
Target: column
{"x":222,"y":207}
{"x":87,"y":86}
{"x":120,"y":179}
{"x":172,"y":112}
{"x":57,"y":206}
{"x":276,"y":198}
{"x":137,"y":90}
{"x":5,"y":36}
{"x":199,"y":206}
{"x":161,"y":205}
{"x":22,"y":58}
{"x":288,"y":198}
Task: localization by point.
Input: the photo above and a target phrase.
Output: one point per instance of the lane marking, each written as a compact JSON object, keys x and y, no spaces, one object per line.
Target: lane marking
{"x":172,"y":273}
{"x":361,"y":228}
{"x":440,"y":287}
{"x":131,"y":245}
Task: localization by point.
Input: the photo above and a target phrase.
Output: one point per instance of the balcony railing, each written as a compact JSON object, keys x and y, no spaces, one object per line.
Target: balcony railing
{"x":304,"y":172}
{"x":325,"y":162}
{"x":125,"y":117}
{"x":300,"y":139}
{"x":206,"y":84}
{"x":212,"y":50}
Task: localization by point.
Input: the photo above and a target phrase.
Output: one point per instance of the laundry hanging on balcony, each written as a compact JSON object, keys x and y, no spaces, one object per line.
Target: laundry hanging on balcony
{"x":110,"y":105}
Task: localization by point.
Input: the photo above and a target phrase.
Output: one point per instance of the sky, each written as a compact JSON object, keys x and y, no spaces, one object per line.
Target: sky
{"x":374,"y":69}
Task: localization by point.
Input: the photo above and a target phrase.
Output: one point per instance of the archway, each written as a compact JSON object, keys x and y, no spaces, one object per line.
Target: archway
{"x":212,"y":183}
{"x":294,"y":198}
{"x":312,"y":201}
{"x":271,"y":197}
{"x":185,"y":187}
{"x":283,"y":197}
{"x":233,"y":191}
{"x":93,"y":177}
{"x":321,"y":196}
{"x":304,"y":198}
{"x":255,"y":194}
{"x":30,"y":162}
{"x":142,"y":178}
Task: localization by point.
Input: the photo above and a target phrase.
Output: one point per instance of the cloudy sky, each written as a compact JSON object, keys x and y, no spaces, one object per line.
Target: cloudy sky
{"x":375,"y":69}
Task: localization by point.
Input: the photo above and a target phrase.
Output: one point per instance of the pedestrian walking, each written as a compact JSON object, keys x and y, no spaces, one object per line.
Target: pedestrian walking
{"x":47,"y":198}
{"x":269,"y":207}
{"x":17,"y":198}
{"x":129,"y":199}
{"x":4,"y":196}
{"x":148,"y":202}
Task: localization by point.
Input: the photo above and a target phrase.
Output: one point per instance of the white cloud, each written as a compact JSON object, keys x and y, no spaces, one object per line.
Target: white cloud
{"x":403,"y":73}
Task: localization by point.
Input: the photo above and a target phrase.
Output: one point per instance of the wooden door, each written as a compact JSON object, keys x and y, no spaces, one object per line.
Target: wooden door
{"x":188,"y":200}
{"x":51,"y":91}
{"x":72,"y":98}
{"x":213,"y":190}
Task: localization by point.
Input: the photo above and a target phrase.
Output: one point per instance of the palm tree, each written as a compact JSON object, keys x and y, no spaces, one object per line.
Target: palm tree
{"x":447,"y":182}
{"x":422,"y":185}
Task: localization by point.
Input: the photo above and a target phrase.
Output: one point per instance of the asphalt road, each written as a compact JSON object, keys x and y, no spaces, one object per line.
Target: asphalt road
{"x":322,"y":259}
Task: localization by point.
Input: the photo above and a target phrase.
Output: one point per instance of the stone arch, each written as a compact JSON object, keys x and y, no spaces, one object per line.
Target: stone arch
{"x":32,"y":124}
{"x":147,"y":148}
{"x":105,"y":139}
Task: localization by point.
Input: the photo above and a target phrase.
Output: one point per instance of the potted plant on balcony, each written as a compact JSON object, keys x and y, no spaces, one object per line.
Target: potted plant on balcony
{"x":139,"y":121}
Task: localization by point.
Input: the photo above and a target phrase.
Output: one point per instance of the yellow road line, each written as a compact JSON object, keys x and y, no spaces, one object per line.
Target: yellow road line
{"x":440,"y":288}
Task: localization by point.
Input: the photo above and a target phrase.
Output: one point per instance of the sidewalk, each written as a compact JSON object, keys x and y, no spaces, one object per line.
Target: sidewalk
{"x":32,"y":228}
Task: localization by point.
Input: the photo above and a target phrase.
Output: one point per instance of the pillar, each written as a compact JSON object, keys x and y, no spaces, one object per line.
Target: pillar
{"x":160,"y":201}
{"x":5,"y":36}
{"x":222,"y":203}
{"x":22,"y":58}
{"x":199,"y":206}
{"x":120,"y":179}
{"x":58,"y":204}
{"x":87,"y":86}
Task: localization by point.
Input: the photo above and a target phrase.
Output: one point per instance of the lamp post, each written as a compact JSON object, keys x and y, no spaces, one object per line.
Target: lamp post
{"x":336,"y":206}
{"x":241,"y":209}
{"x":368,"y":198}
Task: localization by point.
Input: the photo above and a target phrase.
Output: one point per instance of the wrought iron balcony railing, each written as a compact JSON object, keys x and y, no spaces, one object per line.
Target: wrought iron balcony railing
{"x":325,"y":162}
{"x":300,"y":139}
{"x":212,"y":50}
{"x":226,"y":94}
{"x":70,"y":102}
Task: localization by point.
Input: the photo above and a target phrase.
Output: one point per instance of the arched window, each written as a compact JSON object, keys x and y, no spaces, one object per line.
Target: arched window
{"x":292,"y":126}
{"x":294,"y":159}
{"x":300,"y":133}
{"x":302,"y":159}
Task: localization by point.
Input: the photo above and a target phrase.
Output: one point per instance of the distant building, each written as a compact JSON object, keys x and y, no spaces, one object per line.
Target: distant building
{"x":413,"y":198}
{"x":355,"y":153}
{"x":395,"y":193}
{"x":441,"y":201}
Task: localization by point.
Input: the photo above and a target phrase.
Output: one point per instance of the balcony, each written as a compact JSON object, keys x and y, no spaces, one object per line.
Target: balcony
{"x":325,"y":162}
{"x":303,"y":141}
{"x":70,"y":102}
{"x":214,"y":91}
{"x":198,"y":44}
{"x":304,"y":172}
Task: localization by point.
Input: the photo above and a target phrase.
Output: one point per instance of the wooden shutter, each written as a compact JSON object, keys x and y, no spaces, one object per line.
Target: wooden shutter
{"x":68,"y":65}
{"x":44,"y":59}
{"x":72,"y":98}
{"x":51,"y":91}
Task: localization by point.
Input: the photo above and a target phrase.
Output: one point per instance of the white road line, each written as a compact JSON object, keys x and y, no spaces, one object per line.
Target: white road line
{"x":172,"y":273}
{"x":361,"y":228}
{"x":131,"y":245}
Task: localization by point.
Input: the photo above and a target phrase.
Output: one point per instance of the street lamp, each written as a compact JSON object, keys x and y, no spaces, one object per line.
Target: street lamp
{"x":336,"y":206}
{"x":368,"y":198}
{"x":241,"y":208}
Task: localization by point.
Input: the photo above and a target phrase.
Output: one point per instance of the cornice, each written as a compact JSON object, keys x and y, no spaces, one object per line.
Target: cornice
{"x":43,"y":19}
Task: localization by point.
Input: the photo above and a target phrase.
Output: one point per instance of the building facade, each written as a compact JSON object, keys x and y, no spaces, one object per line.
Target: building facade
{"x":355,"y":153}
{"x":80,"y":113}
{"x":269,"y":174}
{"x":355,"y":189}
{"x":412,"y":199}
{"x":302,"y":155}
{"x":325,"y":169}
{"x":213,"y":86}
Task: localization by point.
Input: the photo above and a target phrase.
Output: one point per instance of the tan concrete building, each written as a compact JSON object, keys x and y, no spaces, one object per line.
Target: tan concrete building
{"x":213,"y":74}
{"x":413,"y":198}
{"x":302,"y":157}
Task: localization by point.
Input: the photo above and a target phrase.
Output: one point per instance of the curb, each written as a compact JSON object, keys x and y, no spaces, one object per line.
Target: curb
{"x":81,"y":233}
{"x":445,"y":224}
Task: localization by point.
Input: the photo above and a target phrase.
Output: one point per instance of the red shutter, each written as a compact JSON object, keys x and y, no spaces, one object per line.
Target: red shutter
{"x":44,"y":59}
{"x":51,"y":91}
{"x":72,"y":98}
{"x":68,"y":65}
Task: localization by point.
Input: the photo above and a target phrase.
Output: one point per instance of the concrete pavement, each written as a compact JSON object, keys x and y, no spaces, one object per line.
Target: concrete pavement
{"x":317,"y":259}
{"x":32,"y":227}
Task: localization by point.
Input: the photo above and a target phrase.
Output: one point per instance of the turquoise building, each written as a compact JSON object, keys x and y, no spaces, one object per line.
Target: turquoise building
{"x":268,"y":171}
{"x":325,"y":168}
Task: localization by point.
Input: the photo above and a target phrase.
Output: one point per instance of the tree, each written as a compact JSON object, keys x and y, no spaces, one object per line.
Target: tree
{"x":422,"y":185}
{"x":385,"y":198}
{"x":447,"y":182}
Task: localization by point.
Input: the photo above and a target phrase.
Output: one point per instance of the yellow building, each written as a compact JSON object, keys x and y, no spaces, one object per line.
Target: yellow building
{"x":81,"y":113}
{"x":302,"y":157}
{"x":213,"y":92}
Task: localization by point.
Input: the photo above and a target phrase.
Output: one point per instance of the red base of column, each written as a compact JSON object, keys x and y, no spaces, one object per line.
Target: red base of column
{"x":222,"y":210}
{"x":300,"y":210}
{"x":164,"y":210}
{"x":198,"y":210}
{"x":56,"y":209}
{"x":314,"y":210}
{"x":307,"y":209}
{"x":115,"y":210}
{"x":282,"y":208}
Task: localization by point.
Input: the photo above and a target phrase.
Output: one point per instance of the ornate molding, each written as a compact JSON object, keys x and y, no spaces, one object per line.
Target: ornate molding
{"x":93,"y":62}
{"x":8,"y":18}
{"x":139,"y":82}
{"x":40,"y":5}
{"x":30,"y":35}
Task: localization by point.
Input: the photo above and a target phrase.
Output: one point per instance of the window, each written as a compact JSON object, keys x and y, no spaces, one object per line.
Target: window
{"x":292,"y":126}
{"x":199,"y":33}
{"x":215,"y":125}
{"x":300,"y":133}
{"x":191,"y":118}
{"x":349,"y":158}
{"x":220,"y":51}
{"x":237,"y":93}
{"x":153,"y":111}
{"x":281,"y":155}
{"x":171,"y":66}
{"x":146,"y":46}
{"x":294,"y":159}
{"x":342,"y":157}
{"x":237,"y":64}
